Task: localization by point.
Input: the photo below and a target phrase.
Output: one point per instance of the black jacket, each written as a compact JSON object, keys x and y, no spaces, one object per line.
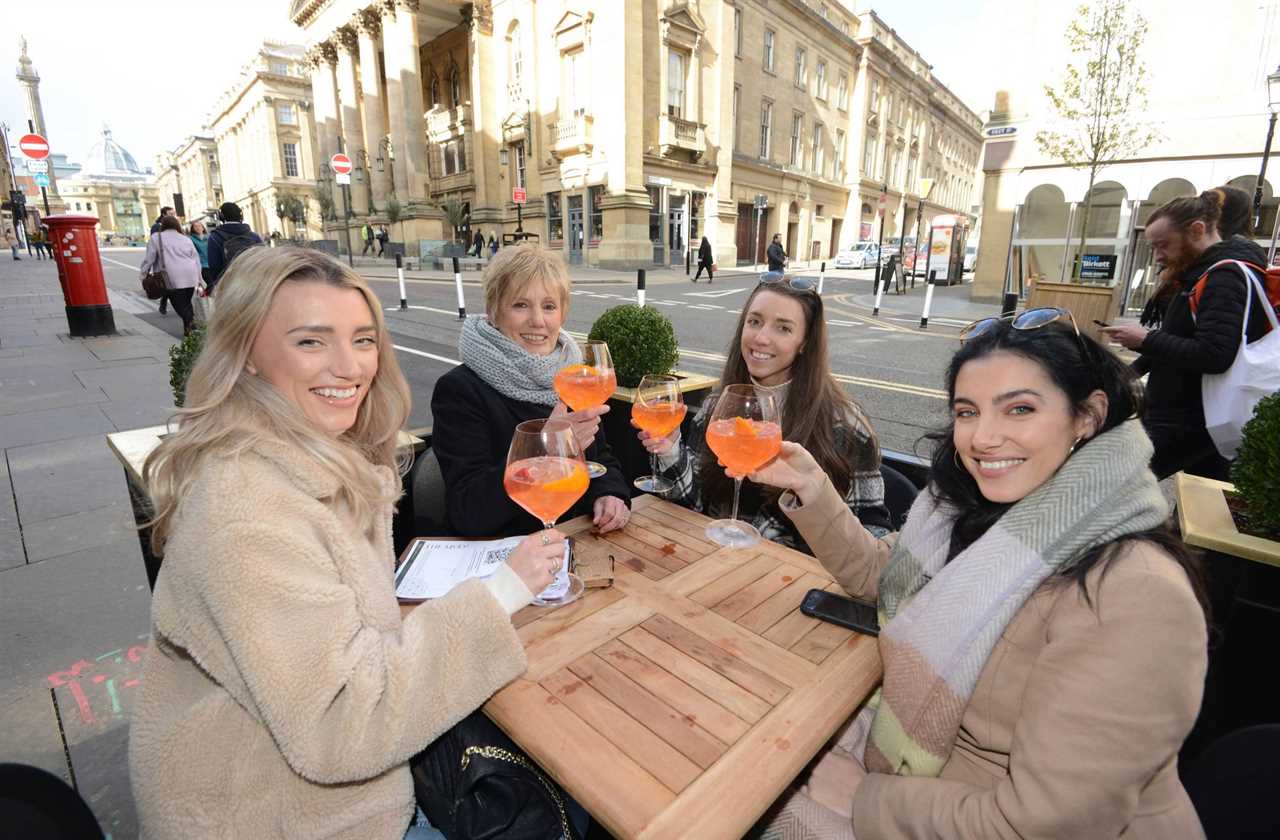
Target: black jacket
{"x":777,"y":257}
{"x":472,"y":429}
{"x":1182,"y":350}
{"x":704,"y":253}
{"x":217,"y":239}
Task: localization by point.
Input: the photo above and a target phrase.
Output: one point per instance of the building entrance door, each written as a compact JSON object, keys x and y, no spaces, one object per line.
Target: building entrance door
{"x":576,"y":237}
{"x":655,"y":223}
{"x":1142,"y":280}
{"x":836,"y":224}
{"x":675,"y":229}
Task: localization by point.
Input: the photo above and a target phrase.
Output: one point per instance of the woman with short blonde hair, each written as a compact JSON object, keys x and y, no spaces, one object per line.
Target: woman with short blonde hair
{"x":284,"y":693}
{"x":510,"y":356}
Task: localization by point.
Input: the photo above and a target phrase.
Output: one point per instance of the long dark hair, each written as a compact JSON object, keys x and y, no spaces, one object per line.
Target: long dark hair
{"x":1078,"y":366}
{"x":814,"y":400}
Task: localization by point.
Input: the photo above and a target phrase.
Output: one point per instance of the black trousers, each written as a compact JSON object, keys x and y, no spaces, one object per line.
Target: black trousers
{"x":710,"y":274}
{"x":181,"y":300}
{"x":368,"y":246}
{"x":1182,"y":447}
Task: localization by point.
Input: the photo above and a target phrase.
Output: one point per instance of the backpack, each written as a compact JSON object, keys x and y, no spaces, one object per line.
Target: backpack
{"x":1270,"y":281}
{"x":234,"y":245}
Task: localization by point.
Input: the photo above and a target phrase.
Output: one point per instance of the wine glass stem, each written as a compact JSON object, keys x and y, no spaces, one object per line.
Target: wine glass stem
{"x":653,"y":465}
{"x":737,"y":488}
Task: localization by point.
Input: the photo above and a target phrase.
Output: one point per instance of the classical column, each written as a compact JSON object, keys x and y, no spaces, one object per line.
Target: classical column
{"x":484,"y":153}
{"x":368,"y":24}
{"x":404,"y":98}
{"x":323,"y":58}
{"x":349,"y":112}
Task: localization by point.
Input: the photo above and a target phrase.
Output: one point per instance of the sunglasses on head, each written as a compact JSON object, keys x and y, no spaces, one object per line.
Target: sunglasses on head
{"x":800,"y":284}
{"x":1031,"y":319}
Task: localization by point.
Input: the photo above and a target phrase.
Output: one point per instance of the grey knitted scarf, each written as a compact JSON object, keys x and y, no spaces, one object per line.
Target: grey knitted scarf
{"x":510,"y":369}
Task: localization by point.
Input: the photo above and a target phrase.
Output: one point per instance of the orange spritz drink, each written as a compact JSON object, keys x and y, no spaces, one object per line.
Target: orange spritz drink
{"x":658,"y":409}
{"x":658,"y":419}
{"x":743,"y":445}
{"x":588,"y":385}
{"x":546,"y":486}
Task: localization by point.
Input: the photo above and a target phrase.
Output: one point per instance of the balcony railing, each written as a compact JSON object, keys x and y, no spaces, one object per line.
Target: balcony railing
{"x":675,"y":134}
{"x":571,"y":135}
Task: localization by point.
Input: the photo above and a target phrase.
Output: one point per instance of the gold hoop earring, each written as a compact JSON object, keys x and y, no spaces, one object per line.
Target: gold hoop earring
{"x":955,"y":458}
{"x":1072,"y":450}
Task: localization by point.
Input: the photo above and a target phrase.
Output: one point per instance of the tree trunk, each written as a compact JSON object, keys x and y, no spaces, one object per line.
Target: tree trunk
{"x":1084,"y":227}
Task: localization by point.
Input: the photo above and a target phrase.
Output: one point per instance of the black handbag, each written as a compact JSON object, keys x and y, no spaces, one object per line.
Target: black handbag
{"x":156,"y":282}
{"x":474,"y":783}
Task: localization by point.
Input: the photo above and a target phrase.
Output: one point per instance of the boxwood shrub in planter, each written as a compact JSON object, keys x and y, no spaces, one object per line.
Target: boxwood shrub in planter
{"x":1256,"y":472}
{"x":182,"y":357}
{"x":641,"y":340}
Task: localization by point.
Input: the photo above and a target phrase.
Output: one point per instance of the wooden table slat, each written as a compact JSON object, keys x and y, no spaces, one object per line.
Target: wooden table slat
{"x":788,"y":601}
{"x":756,"y":593}
{"x":548,"y":655}
{"x":819,"y":642}
{"x":691,"y":535}
{"x":713,"y":656}
{"x":551,"y":620}
{"x":684,"y":698}
{"x":667,"y":541}
{"x":641,"y":549}
{"x":706,"y":571}
{"x":642,"y":705}
{"x":734,"y":581}
{"x":667,"y":764}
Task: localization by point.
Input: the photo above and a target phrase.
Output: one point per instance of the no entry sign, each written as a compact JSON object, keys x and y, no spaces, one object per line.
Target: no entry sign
{"x":341,"y":164}
{"x":34,"y":146}
{"x":518,"y":195}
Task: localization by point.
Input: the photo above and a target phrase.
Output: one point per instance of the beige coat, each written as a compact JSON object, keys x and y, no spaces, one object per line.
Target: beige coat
{"x":1074,"y":727}
{"x":283,"y":695}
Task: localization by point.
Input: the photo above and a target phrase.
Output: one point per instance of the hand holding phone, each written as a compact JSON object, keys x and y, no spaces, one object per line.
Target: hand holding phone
{"x":837,"y":609}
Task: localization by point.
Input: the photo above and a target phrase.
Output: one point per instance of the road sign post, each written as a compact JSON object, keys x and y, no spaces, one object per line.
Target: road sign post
{"x":880,"y":241}
{"x":341,"y":166}
{"x":35,"y":147}
{"x":519,"y":196}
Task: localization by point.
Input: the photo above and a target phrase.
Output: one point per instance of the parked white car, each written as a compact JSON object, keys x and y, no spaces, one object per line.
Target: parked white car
{"x":970,"y":257}
{"x":857,"y":256}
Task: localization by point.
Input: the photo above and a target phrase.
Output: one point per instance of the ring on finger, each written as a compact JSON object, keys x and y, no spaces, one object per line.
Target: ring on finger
{"x":546,"y":538}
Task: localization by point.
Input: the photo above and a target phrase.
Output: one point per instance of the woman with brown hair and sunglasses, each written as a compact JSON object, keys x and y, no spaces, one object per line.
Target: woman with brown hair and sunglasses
{"x":1043,"y":632}
{"x":780,"y":345}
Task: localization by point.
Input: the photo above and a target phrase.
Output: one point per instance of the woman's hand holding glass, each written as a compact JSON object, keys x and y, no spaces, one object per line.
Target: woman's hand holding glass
{"x":585,"y":423}
{"x":537,"y":558}
{"x":794,"y":469}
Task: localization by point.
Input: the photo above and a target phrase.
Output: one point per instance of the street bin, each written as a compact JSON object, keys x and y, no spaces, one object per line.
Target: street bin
{"x":84,"y":291}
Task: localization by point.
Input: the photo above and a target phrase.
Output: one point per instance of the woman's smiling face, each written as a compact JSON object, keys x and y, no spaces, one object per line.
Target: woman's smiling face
{"x":531,"y":317}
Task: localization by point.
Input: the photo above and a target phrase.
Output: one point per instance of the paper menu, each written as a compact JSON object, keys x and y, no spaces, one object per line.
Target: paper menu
{"x":431,"y":568}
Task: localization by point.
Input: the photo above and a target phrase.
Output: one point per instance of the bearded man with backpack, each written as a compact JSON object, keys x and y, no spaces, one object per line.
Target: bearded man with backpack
{"x":228,"y":240}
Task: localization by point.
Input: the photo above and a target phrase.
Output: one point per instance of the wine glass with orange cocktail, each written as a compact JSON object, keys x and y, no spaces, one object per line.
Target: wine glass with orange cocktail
{"x":588,"y":385}
{"x":745,"y":433}
{"x":546,"y":475}
{"x":658,"y":409}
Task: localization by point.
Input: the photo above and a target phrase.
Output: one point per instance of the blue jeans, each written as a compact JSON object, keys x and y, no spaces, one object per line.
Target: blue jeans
{"x":420,"y":829}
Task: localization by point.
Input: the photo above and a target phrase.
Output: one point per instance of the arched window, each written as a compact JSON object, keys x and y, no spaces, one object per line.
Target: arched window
{"x":433,"y":91}
{"x":455,"y":87}
{"x":515,"y":55}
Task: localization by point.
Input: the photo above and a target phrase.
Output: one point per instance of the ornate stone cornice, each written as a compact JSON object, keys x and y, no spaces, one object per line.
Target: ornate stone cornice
{"x":478,"y":16}
{"x":368,"y":22}
{"x":347,"y":39}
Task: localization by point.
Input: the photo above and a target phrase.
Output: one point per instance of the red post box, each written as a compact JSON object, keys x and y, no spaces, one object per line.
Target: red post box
{"x":75,"y":249}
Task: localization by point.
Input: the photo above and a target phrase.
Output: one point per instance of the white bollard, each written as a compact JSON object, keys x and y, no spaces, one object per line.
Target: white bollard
{"x":640,"y":287}
{"x":822,"y":275}
{"x":404,"y":303}
{"x":457,"y":282}
{"x":879,"y":293}
{"x":928,"y":301}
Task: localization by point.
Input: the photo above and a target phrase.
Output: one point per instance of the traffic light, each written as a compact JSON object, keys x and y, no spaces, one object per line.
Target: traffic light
{"x":17,"y":203}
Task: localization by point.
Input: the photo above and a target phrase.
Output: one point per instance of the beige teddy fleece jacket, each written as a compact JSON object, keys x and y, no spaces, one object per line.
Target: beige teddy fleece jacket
{"x":283,"y":696}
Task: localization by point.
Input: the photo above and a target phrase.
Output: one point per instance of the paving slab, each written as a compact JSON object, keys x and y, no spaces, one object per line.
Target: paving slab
{"x":120,"y":348}
{"x":52,"y":424}
{"x":126,"y":375}
{"x":59,"y":460}
{"x":79,"y":395}
{"x":32,"y":734}
{"x":136,"y":415}
{"x":102,"y":778}
{"x":29,"y":339}
{"x":50,"y":539}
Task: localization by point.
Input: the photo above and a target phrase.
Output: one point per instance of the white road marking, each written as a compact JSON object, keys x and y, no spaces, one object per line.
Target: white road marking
{"x":719,"y":293}
{"x":836,"y":323}
{"x":428,"y":355}
{"x":705,"y":306}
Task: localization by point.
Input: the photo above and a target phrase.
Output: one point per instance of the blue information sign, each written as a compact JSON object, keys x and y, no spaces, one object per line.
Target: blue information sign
{"x":42,"y":180}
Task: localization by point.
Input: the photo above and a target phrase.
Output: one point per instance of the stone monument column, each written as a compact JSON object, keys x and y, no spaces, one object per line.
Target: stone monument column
{"x":368,"y":25}
{"x":400,"y":47}
{"x":349,"y":113}
{"x":30,"y":81}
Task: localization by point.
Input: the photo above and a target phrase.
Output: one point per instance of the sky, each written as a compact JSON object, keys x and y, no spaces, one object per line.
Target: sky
{"x":151,"y":70}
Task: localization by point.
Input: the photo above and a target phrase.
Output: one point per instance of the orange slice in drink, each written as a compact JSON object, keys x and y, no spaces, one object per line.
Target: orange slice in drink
{"x":571,"y":483}
{"x":743,"y":427}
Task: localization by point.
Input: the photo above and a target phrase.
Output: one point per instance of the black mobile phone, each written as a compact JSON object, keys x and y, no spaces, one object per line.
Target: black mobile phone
{"x":856,"y":615}
{"x":1101,"y":323}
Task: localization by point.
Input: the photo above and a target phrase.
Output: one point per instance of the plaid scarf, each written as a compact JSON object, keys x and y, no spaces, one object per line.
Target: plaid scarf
{"x":942,"y":620}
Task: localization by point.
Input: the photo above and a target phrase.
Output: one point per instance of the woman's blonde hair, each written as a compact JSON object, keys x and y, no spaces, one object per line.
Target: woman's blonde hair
{"x":228,"y":410}
{"x":516,"y":266}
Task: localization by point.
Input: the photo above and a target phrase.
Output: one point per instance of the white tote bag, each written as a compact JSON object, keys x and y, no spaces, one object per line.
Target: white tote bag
{"x":1230,"y":397}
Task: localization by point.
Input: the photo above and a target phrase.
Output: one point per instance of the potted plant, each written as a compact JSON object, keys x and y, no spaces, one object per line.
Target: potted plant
{"x":182,"y":357}
{"x":456,"y":215}
{"x":641,"y":340}
{"x":1237,"y":526}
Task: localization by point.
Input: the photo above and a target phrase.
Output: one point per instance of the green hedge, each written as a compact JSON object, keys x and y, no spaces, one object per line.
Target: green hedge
{"x":641,"y":340}
{"x":182,"y":357}
{"x":1256,"y":472}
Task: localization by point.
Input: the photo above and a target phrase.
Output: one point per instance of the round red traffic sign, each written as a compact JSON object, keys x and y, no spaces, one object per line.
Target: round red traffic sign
{"x":34,"y":146}
{"x":340,"y":163}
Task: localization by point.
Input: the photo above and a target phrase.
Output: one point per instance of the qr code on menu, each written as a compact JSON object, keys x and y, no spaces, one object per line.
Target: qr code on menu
{"x":497,"y":556}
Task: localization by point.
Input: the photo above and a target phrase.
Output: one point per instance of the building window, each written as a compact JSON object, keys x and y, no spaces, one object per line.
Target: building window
{"x":737,"y":94}
{"x":279,"y":68}
{"x":802,"y":77}
{"x":837,"y":156}
{"x":285,"y":114}
{"x":573,"y":100}
{"x":737,"y":32}
{"x":517,"y":58}
{"x":822,"y":79}
{"x":655,"y":214}
{"x":675,"y":84}
{"x":77,"y":205}
{"x":797,"y":127}
{"x":595,"y":197}
{"x":768,"y":50}
{"x":455,"y":87}
{"x":433,"y":91}
{"x":455,"y":157}
{"x":555,"y":224}
{"x":869,"y":155}
{"x":819,"y":211}
{"x":819,"y":158}
{"x":873,"y":102}
{"x":842,"y":92}
{"x":518,"y":148}
{"x":291,"y":160}
{"x":766,"y":128}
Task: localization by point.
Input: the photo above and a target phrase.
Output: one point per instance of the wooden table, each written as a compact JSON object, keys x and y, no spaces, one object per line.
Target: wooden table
{"x":683,"y":700}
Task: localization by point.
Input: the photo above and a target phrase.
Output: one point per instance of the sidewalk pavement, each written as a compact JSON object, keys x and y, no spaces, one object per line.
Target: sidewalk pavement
{"x":74,"y":604}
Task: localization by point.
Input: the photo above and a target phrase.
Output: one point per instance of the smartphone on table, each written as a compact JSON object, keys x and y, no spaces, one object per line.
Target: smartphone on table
{"x":837,"y":609}
{"x":1101,"y":323}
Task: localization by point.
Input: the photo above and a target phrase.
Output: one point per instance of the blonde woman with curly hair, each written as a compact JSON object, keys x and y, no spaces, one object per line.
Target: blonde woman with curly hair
{"x":284,"y":694}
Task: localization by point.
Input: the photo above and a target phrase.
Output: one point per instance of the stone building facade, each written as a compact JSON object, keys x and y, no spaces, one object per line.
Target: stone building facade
{"x":111,"y":186}
{"x":191,"y":171}
{"x":265,"y":138}
{"x":634,"y":126}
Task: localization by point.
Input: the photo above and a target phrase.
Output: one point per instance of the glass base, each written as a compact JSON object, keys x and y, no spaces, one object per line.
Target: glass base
{"x":595,"y":470}
{"x":733,"y":533}
{"x":654,"y":484}
{"x":576,"y":588}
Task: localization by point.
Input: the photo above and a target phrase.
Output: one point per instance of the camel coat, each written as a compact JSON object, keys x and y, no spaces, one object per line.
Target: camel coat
{"x":1074,"y":727}
{"x":283,"y":695}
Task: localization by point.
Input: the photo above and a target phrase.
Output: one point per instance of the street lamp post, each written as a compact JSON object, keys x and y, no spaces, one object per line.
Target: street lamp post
{"x":1273,"y":104}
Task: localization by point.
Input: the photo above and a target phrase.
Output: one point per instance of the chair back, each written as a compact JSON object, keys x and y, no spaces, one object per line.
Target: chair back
{"x":899,"y":495}
{"x":428,"y":489}
{"x":1234,"y":786}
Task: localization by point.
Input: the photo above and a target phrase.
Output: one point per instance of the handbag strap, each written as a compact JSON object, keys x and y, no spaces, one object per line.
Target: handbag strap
{"x":1252,"y":284}
{"x":160,"y":248}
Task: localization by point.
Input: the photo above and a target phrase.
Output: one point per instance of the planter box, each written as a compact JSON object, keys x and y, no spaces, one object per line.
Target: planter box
{"x":621,"y":435}
{"x":1243,"y":574}
{"x":1087,"y":302}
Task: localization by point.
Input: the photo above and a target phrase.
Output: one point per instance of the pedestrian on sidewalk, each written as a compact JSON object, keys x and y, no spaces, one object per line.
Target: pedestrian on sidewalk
{"x":777,"y":257}
{"x":171,"y":251}
{"x":200,"y":239}
{"x":705,"y":260}
{"x":366,"y":233}
{"x":36,"y":240}
{"x":228,"y":240}
{"x":164,"y":211}
{"x":46,"y":237}
{"x":384,"y":236}
{"x":493,"y":245}
{"x":11,"y":242}
{"x":477,"y":245}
